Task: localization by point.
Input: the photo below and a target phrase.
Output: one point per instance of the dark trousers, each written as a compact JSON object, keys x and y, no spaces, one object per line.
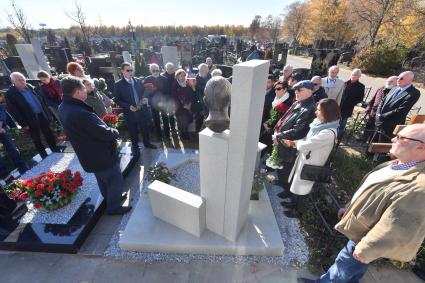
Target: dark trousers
{"x":341,"y":129}
{"x":167,"y":121}
{"x":42,"y":126}
{"x":13,"y":154}
{"x":137,"y":123}
{"x":283,"y":175}
{"x":157,"y":121}
{"x":111,"y":183}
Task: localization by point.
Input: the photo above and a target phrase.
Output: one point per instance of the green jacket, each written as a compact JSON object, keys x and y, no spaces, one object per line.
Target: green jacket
{"x":95,"y":101}
{"x":388,"y":219}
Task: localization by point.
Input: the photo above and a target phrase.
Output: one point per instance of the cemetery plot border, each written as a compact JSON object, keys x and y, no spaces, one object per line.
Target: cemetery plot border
{"x":58,"y":238}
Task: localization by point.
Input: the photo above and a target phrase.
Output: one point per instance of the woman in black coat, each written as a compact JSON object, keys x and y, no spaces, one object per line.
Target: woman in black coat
{"x":183,"y":95}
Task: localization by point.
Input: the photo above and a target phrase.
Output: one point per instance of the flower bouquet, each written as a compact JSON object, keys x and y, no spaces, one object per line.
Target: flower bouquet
{"x":161,"y":173}
{"x":274,"y":160}
{"x":48,"y":190}
{"x":111,"y":120}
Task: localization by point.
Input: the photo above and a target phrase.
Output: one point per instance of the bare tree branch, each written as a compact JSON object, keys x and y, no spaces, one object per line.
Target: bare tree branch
{"x":18,"y":20}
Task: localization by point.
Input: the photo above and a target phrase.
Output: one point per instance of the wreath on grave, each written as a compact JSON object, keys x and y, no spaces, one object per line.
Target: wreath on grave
{"x":48,"y":190}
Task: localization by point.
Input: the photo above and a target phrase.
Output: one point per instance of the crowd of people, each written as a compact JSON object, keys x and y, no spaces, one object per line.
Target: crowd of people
{"x":302,"y":121}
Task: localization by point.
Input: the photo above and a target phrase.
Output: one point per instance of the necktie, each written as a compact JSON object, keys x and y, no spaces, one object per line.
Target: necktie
{"x":133,"y":89}
{"x":396,"y":94}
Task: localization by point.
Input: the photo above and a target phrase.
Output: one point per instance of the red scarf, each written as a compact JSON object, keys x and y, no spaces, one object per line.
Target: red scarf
{"x":53,"y":90}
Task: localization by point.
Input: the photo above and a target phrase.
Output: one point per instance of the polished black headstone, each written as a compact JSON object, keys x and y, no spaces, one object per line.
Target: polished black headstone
{"x":56,"y":238}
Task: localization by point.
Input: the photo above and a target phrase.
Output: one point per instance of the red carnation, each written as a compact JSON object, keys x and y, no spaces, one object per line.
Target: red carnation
{"x":31,"y":185}
{"x":40,"y":187}
{"x":37,"y":205}
{"x":38,"y":193}
{"x":37,"y":179}
{"x":23,"y":197}
{"x":49,"y":188}
{"x":282,"y":107}
{"x":63,"y":194}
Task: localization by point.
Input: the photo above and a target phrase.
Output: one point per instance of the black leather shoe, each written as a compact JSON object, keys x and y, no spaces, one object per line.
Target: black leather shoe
{"x":305,"y":280}
{"x":291,"y":213}
{"x":287,"y":204}
{"x":120,"y":211}
{"x":284,"y":194}
{"x":151,"y":146}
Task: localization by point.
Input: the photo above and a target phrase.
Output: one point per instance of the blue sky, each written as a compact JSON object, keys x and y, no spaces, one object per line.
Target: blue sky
{"x":152,"y":12}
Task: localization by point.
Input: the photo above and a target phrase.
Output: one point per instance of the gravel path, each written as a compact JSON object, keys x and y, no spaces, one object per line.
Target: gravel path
{"x":295,"y":253}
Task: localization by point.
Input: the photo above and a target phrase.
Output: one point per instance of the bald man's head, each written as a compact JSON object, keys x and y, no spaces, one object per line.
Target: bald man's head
{"x":409,"y":144}
{"x":333,"y":72}
{"x":405,"y":78}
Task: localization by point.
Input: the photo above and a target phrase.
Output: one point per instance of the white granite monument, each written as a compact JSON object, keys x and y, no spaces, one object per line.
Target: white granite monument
{"x":234,"y":224}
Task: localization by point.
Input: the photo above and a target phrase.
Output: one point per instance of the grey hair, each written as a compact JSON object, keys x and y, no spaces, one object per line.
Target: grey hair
{"x":169,"y":64}
{"x":14,"y":75}
{"x":202,"y":65}
{"x":357,"y":71}
{"x":288,"y":66}
{"x":151,"y":66}
{"x":216,"y":72}
{"x":316,"y":78}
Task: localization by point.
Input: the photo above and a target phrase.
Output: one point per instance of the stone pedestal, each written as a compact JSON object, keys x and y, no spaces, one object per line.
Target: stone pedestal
{"x":213,"y":148}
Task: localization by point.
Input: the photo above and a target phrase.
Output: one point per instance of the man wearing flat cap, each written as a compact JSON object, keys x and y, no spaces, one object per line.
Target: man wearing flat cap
{"x":294,"y":125}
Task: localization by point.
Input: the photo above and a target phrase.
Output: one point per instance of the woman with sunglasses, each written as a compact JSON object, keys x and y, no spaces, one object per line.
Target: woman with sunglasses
{"x":281,"y":103}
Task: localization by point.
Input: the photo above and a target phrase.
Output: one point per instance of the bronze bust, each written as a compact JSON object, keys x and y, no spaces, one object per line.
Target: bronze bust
{"x":217,"y":99}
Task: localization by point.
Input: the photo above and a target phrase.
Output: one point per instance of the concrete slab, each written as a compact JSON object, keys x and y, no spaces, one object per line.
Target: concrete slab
{"x":260,"y":236}
{"x":178,"y":207}
{"x":173,"y":160}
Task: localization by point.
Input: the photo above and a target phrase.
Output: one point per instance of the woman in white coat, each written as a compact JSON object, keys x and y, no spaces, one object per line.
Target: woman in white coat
{"x":314,"y":150}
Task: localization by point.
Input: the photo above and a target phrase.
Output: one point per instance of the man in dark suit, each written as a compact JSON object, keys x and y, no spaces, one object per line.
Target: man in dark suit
{"x":394,"y":108}
{"x":294,"y":125}
{"x":94,"y":143}
{"x":353,"y":94}
{"x":30,"y":111}
{"x":128,"y":93}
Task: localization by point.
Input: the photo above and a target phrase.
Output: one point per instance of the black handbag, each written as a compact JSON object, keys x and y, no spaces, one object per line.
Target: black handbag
{"x":315,"y":173}
{"x":287,"y":154}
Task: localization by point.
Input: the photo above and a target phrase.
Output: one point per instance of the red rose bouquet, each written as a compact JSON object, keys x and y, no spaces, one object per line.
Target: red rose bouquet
{"x":111,"y":120}
{"x":48,"y":190}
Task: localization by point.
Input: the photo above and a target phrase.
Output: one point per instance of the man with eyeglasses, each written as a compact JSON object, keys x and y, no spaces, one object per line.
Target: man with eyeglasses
{"x":386,"y":216}
{"x":156,"y":86}
{"x":394,"y":108}
{"x":128,"y":93}
{"x":318,"y":91}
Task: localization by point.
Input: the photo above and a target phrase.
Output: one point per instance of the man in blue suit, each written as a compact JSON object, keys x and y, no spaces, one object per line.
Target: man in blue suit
{"x":128,"y":93}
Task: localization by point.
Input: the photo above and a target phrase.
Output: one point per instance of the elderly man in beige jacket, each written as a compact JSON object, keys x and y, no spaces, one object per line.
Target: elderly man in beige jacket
{"x":334,"y":87}
{"x":386,"y":216}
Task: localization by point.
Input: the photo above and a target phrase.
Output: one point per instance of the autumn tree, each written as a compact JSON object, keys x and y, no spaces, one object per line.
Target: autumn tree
{"x":18,"y":20}
{"x":254,"y":27}
{"x":295,"y":20}
{"x":371,"y":15}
